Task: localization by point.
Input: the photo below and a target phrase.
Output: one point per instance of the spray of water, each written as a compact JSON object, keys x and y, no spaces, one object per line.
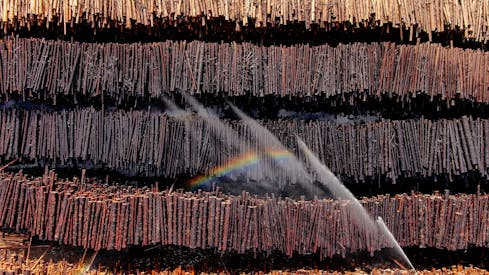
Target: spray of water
{"x":172,"y":109}
{"x":265,"y":139}
{"x":227,"y":135}
{"x":335,"y":186}
{"x":180,"y":114}
{"x":293,"y":170}
{"x":230,"y":142}
{"x":396,"y":246}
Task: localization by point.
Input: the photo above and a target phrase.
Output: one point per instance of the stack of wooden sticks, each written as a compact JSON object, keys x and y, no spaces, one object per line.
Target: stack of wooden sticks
{"x":99,"y":216}
{"x":155,"y":144}
{"x":471,"y":15}
{"x":11,"y":266}
{"x":40,"y":69}
{"x":15,"y":264}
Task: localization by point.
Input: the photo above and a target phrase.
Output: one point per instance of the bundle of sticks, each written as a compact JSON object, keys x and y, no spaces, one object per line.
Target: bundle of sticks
{"x":40,"y":69}
{"x":99,"y":216}
{"x":13,"y":241}
{"x":152,"y":143}
{"x":470,"y":15}
{"x":16,"y":264}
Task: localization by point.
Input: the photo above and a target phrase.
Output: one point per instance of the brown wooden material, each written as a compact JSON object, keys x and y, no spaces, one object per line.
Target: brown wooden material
{"x":408,"y":148}
{"x":238,"y":223}
{"x":347,"y":73}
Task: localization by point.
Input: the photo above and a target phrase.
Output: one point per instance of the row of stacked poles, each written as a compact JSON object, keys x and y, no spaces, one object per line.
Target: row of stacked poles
{"x":102,"y":146}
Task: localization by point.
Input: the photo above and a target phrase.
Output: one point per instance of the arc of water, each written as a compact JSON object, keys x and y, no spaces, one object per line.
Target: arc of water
{"x":173,"y":109}
{"x":181,"y":114}
{"x":231,"y":137}
{"x":334,"y":185}
{"x":339,"y":191}
{"x":294,"y":169}
{"x":396,"y":245}
{"x":227,"y":135}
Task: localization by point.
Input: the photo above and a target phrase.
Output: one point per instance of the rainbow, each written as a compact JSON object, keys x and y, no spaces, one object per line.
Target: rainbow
{"x":243,"y":161}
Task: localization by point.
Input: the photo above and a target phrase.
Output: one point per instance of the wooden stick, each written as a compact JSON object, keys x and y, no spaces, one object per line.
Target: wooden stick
{"x":41,"y":257}
{"x":8,"y":164}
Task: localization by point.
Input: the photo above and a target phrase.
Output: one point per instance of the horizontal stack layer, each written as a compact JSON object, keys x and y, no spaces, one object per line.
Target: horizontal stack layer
{"x":470,"y":15}
{"x":34,"y":68}
{"x":9,"y":265}
{"x":113,"y":217}
{"x":151,"y":143}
